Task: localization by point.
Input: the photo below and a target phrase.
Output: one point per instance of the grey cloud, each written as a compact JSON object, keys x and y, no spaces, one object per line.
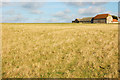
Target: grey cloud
{"x":59,"y":14}
{"x":24,"y":1}
{"x":14,"y":19}
{"x":67,"y":11}
{"x":62,"y":13}
{"x":76,"y":4}
{"x":32,"y":5}
{"x":36,"y":12}
{"x":9,"y":12}
{"x":62,"y":16}
{"x":91,"y":10}
{"x":25,"y":5}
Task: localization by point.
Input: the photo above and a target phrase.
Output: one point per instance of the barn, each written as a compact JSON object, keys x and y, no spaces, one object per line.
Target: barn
{"x":115,"y":19}
{"x":103,"y":18}
{"x":73,"y":21}
{"x":77,"y":20}
{"x":83,"y":20}
{"x":100,"y":18}
{"x":86,"y":20}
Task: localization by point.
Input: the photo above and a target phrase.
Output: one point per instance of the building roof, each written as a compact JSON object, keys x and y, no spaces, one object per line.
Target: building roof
{"x":101,"y":16}
{"x":115,"y":17}
{"x":115,"y":20}
{"x":86,"y":19}
{"x":77,"y":19}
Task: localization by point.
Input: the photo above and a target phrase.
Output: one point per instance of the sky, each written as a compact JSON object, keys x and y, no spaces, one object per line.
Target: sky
{"x":54,"y":12}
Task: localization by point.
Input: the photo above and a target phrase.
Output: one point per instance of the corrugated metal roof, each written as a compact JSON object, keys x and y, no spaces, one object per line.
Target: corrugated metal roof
{"x":115,"y":20}
{"x":86,"y":19}
{"x":77,"y":19}
{"x":101,"y":16}
{"x":115,"y":17}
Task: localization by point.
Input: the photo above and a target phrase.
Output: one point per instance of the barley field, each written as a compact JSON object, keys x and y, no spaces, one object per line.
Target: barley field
{"x":59,"y":50}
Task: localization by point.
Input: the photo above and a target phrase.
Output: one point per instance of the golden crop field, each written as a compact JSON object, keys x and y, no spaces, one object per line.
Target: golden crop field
{"x":59,"y":50}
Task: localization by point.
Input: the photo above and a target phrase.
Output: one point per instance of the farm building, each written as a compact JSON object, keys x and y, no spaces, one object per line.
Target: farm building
{"x":73,"y":21}
{"x":87,"y":20}
{"x":100,"y":18}
{"x":83,"y":20}
{"x":77,"y":20}
{"x":115,"y":19}
{"x":103,"y":18}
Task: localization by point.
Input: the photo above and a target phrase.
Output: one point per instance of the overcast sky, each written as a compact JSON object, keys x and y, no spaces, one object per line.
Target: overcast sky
{"x":54,"y":12}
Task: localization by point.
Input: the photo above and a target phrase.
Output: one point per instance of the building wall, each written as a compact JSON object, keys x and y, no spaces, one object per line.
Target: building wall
{"x":76,"y":21}
{"x":73,"y":21}
{"x":114,"y":22}
{"x":99,"y":21}
{"x":85,"y":21}
{"x":109,"y":19}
